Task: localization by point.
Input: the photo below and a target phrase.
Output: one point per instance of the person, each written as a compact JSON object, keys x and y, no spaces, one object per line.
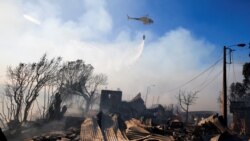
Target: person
{"x":2,"y":136}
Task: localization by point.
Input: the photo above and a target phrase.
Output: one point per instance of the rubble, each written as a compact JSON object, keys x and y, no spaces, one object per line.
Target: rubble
{"x":138,"y":131}
{"x":90,"y":130}
{"x":110,"y":130}
{"x":130,"y":120}
{"x":241,"y":115}
{"x":70,"y":135}
{"x":213,"y":128}
{"x":2,"y":136}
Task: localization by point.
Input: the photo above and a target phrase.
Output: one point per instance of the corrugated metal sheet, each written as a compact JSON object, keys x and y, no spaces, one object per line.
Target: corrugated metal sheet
{"x":90,"y":131}
{"x":138,"y":136}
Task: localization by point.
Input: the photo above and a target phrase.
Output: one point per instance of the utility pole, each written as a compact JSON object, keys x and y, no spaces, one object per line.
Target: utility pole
{"x":224,"y":100}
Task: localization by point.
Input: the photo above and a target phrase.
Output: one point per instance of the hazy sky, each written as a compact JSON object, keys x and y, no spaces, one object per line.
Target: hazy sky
{"x":185,"y":39}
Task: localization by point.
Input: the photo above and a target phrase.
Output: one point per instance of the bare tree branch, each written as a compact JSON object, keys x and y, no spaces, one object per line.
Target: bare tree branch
{"x":25,"y":83}
{"x":185,"y":99}
{"x":77,"y":78}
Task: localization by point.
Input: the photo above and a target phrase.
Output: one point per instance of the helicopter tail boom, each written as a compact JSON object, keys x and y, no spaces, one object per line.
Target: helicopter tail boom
{"x":131,"y":18}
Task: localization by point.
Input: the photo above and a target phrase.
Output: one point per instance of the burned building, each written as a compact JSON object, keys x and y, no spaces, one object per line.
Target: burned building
{"x":137,"y":104}
{"x":132,"y":108}
{"x":241,"y":115}
{"x":110,"y":101}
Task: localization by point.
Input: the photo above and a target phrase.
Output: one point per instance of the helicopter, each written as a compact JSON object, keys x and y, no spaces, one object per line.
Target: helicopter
{"x":145,"y":19}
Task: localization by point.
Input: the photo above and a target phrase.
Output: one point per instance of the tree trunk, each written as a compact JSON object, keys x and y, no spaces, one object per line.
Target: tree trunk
{"x":18,"y":110}
{"x":187,"y":115}
{"x":26,"y":111}
{"x":87,"y":106}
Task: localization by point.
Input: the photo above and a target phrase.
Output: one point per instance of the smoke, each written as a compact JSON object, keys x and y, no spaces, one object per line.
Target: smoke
{"x":31,"y":19}
{"x":91,"y":34}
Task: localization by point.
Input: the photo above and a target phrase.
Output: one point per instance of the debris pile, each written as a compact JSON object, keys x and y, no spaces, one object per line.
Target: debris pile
{"x":213,"y":128}
{"x":120,"y":120}
{"x":108,"y":127}
{"x":72,"y":134}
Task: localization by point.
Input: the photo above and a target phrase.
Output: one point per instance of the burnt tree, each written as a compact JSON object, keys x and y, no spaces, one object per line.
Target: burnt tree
{"x":185,"y":99}
{"x":25,"y":81}
{"x":77,"y":78}
{"x":56,"y":111}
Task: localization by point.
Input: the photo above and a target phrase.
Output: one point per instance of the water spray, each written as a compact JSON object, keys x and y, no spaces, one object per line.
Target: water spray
{"x":138,"y":51}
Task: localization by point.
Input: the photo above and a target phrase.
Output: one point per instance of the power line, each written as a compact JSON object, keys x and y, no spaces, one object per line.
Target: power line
{"x":234,"y":76}
{"x":204,"y":82}
{"x":196,"y":76}
{"x":216,"y":76}
{"x":228,"y":72}
{"x":206,"y":79}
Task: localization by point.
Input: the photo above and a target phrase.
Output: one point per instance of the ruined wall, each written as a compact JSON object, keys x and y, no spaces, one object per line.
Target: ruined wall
{"x":110,"y":101}
{"x":241,"y":116}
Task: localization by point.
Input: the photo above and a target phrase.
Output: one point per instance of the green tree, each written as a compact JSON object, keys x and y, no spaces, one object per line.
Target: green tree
{"x":246,"y":74}
{"x":238,"y":89}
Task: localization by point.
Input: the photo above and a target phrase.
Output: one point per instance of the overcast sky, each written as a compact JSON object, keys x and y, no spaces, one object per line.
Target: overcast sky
{"x":185,"y":39}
